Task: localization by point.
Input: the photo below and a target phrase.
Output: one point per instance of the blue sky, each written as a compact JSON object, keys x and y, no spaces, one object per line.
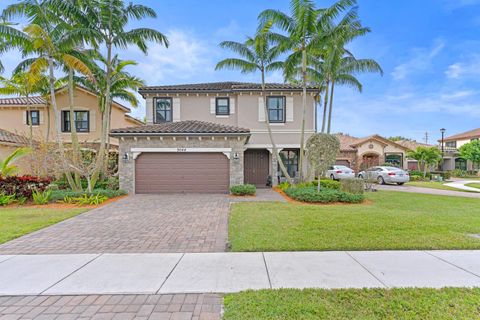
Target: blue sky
{"x":429,"y":50}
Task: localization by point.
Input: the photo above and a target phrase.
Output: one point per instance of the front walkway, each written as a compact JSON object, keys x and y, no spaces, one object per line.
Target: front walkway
{"x":231,"y":272}
{"x":440,"y":192}
{"x":461,"y":184}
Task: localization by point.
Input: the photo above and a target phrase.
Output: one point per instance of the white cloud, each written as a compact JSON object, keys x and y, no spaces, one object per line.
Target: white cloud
{"x":420,"y":61}
{"x":457,"y":4}
{"x":186,"y":57}
{"x":464,"y":69}
{"x":458,"y":95}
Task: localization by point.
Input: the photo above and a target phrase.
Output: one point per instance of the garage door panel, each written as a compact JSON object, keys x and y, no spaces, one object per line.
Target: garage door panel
{"x":182,"y":172}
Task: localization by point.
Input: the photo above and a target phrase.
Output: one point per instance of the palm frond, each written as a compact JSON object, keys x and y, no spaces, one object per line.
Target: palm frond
{"x":232,"y":63}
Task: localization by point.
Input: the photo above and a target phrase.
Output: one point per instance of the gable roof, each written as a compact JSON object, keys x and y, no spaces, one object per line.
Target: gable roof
{"x":475,"y":133}
{"x":216,"y":87}
{"x":187,"y":127}
{"x":12,"y":138}
{"x":412,"y":145}
{"x":349,"y":143}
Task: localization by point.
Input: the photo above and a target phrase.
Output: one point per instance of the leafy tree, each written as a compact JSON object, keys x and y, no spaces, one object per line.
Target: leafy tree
{"x":471,"y":151}
{"x":426,"y":157}
{"x":322,"y":151}
{"x":399,"y":138}
{"x":257,"y":54}
{"x":7,"y":166}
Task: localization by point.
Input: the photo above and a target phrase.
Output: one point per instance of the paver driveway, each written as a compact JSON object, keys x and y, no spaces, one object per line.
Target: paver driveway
{"x":140,"y":224}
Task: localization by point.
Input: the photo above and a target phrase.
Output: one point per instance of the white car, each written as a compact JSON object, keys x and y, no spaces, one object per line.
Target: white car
{"x":385,"y":175}
{"x":338,"y":172}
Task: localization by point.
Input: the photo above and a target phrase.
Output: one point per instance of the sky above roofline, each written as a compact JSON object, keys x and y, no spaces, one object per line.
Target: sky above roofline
{"x":429,"y":50}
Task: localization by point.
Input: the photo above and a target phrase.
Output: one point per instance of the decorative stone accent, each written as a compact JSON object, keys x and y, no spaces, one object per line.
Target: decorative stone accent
{"x":126,"y":168}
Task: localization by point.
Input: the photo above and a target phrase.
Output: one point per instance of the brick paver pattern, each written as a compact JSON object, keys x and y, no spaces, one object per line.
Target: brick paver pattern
{"x":136,"y":224}
{"x":124,"y":307}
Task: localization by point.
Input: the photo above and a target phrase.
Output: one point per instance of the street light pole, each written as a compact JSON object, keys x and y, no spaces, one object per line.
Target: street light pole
{"x":443,"y":144}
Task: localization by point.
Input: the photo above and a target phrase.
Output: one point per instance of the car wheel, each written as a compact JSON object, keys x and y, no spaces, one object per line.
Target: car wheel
{"x":400,"y":183}
{"x":380,"y":180}
{"x":332,"y":177}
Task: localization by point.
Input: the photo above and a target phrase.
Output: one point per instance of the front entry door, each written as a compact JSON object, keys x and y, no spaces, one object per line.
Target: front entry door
{"x":256,"y":164}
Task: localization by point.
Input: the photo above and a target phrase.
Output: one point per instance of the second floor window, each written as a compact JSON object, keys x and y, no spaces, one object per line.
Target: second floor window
{"x":451,"y":144}
{"x":222,"y":106}
{"x":276,"y":109}
{"x":163,"y":110}
{"x":34,"y":116}
{"x":82,"y":123}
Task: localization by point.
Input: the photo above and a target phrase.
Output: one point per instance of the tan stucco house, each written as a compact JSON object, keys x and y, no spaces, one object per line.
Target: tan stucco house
{"x":452,"y":159}
{"x":206,"y":137}
{"x":14,"y":120}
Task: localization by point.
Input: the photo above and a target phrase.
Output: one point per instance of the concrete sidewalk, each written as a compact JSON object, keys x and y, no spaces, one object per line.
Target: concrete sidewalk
{"x":439,"y":192}
{"x":232,"y":272}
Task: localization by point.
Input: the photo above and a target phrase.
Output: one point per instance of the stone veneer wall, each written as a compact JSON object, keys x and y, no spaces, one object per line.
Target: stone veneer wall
{"x":127,"y":169}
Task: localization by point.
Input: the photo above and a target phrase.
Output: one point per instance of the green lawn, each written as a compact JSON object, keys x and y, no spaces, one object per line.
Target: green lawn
{"x":432,"y":185}
{"x":289,"y":304}
{"x":15,"y":222}
{"x":473,"y":185}
{"x":392,"y":220}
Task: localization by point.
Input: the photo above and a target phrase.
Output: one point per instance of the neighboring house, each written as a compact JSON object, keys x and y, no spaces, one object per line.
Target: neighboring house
{"x":452,"y":159}
{"x":206,"y":137}
{"x":13,"y":116}
{"x":374,"y":150}
{"x":413,"y":145}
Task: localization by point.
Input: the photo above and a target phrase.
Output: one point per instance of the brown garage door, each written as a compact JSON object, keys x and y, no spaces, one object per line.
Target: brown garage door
{"x":181,"y":172}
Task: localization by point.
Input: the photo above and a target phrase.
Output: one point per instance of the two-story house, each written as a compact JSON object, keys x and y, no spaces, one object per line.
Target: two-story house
{"x":452,"y":159}
{"x":14,"y":119}
{"x":206,"y":137}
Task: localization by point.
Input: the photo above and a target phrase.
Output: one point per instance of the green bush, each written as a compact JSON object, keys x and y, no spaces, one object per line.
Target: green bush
{"x":355,"y":186}
{"x":446,"y":175}
{"x":108,"y":183}
{"x":6,"y":199}
{"x":61,"y":194}
{"x":243,"y":190}
{"x":326,"y":183}
{"x":41,"y":197}
{"x":458,"y":173}
{"x":284,"y":186}
{"x":310,"y":194}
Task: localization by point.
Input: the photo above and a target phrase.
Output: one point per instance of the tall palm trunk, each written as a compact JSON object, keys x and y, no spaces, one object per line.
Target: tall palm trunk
{"x":304,"y":113}
{"x":56,"y":117}
{"x":73,"y":130}
{"x":30,"y":127}
{"x":269,"y":129}
{"x":47,"y":137}
{"x":325,"y":104}
{"x":330,"y":107}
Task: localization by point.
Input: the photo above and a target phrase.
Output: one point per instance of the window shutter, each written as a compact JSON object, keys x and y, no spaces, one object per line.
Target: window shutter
{"x":41,"y":114}
{"x":149,"y":110}
{"x":232,"y":105}
{"x":61,"y":121}
{"x":261,"y":111}
{"x":25,"y":117}
{"x":212,"y":105}
{"x":176,"y":109}
{"x":289,"y":109}
{"x":92,"y":121}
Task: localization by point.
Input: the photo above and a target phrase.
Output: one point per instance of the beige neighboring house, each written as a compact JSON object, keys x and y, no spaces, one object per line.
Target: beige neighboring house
{"x":452,"y":159}
{"x":14,"y":118}
{"x":9,"y":142}
{"x":374,"y":150}
{"x":15,"y":127}
{"x":206,"y":137}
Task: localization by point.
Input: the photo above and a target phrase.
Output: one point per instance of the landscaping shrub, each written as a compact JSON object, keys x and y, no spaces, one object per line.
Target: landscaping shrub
{"x":355,"y":186}
{"x":86,"y":199}
{"x":326,"y":183}
{"x":243,"y":190}
{"x":111,"y":183}
{"x":41,"y":197}
{"x":283,"y":186}
{"x":23,"y":186}
{"x":5,"y":200}
{"x":61,"y":194}
{"x":310,"y":194}
{"x":446,"y":175}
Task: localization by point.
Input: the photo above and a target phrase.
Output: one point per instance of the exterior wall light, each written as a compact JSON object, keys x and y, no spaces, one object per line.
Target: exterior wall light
{"x":125,"y":157}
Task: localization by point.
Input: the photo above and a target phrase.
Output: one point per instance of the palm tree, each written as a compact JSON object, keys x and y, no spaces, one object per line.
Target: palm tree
{"x":106,"y":25}
{"x":10,"y":38}
{"x":301,"y":27}
{"x":7,"y":168}
{"x":257,"y":54}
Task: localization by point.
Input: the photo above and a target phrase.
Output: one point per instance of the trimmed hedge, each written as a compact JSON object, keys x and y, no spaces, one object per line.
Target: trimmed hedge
{"x":243,"y":190}
{"x":23,"y":186}
{"x":61,"y":194}
{"x":326,"y":183}
{"x":310,"y":194}
{"x":355,"y":186}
